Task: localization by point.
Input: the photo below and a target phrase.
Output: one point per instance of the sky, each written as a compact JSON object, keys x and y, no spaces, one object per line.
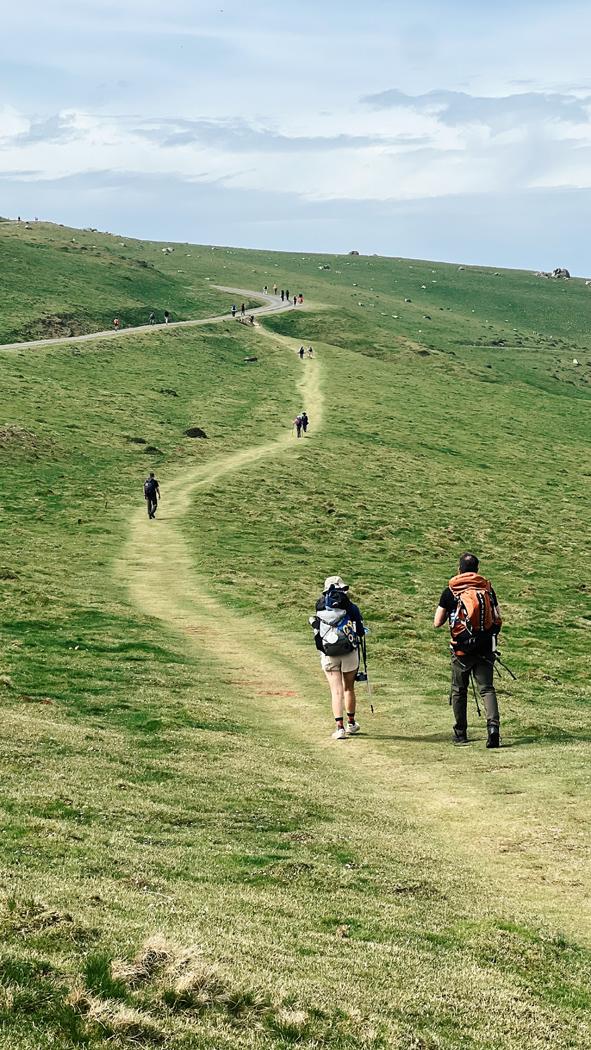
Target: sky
{"x":456,"y":131}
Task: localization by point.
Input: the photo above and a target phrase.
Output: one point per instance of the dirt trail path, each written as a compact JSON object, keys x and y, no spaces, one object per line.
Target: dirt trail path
{"x":482,"y":834}
{"x":274,"y":305}
{"x":181,"y":599}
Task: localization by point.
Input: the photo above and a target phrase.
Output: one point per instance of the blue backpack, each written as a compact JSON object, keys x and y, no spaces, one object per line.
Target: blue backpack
{"x":336,"y":626}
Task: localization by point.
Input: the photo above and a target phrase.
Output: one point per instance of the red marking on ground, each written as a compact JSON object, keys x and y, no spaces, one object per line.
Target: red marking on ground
{"x":273,"y":692}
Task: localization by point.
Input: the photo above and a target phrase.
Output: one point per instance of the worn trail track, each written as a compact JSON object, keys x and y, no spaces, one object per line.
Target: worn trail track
{"x":471,"y":828}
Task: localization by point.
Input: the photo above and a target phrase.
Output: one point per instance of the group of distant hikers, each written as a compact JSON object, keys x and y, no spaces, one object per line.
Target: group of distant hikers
{"x":242,"y":317}
{"x":296,"y":300}
{"x":152,"y":319}
{"x":469,"y":604}
{"x":301,"y":424}
{"x":285,"y":298}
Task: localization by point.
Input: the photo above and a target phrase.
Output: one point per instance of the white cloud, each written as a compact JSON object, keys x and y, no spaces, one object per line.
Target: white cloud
{"x":435,"y":146}
{"x":12,"y":123}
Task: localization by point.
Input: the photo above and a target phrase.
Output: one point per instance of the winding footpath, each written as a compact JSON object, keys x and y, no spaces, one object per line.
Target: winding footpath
{"x":181,"y":599}
{"x":273,"y":305}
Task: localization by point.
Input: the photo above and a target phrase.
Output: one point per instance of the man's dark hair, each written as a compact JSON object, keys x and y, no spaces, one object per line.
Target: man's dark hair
{"x":468,"y":562}
{"x":151,"y":473}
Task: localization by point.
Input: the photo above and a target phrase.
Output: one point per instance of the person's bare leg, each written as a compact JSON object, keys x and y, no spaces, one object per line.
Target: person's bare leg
{"x":335,"y":681}
{"x":349,"y":693}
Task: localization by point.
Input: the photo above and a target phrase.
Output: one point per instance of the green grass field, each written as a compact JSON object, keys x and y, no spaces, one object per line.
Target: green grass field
{"x":187,"y":858}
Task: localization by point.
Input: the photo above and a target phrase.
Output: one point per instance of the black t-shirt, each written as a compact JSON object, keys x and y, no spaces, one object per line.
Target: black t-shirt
{"x":449,"y":602}
{"x":151,"y":486}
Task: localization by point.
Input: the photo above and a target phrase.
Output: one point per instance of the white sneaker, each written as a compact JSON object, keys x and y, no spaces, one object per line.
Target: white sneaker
{"x":351,"y":728}
{"x":339,"y":734}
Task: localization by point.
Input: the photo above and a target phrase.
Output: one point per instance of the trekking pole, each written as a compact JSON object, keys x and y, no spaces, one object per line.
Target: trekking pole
{"x":497,"y":660}
{"x":369,"y":691}
{"x":475,"y":695}
{"x":508,"y":669}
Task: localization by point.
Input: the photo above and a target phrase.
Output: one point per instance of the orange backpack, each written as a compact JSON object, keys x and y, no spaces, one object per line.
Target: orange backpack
{"x":474,"y":621}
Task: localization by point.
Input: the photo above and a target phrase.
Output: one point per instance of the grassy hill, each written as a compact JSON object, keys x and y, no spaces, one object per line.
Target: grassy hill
{"x":187,"y":858}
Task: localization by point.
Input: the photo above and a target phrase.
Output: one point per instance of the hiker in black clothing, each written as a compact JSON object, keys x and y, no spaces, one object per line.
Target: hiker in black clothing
{"x":166,"y":317}
{"x":470,"y":604}
{"x":287,"y":294}
{"x":282,"y":295}
{"x":305,"y":421}
{"x":301,"y":352}
{"x":151,"y":494}
{"x":242,"y":309}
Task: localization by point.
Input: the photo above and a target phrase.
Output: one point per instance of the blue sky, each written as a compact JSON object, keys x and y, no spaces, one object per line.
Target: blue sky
{"x":453,"y":131}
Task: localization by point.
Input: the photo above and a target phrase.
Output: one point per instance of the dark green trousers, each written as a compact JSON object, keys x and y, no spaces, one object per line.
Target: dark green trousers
{"x":483,"y":671}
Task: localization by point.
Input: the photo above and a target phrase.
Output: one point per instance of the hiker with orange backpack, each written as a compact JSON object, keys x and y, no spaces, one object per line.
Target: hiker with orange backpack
{"x":470,"y":605}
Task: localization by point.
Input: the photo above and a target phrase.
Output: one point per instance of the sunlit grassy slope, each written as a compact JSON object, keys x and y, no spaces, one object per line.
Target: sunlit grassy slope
{"x":393,"y":893}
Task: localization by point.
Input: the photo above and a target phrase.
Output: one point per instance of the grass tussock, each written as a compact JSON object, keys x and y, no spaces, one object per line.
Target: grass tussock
{"x":129,"y":1024}
{"x":151,"y":958}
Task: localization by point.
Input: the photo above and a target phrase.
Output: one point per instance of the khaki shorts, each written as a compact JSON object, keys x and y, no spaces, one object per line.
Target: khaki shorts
{"x":348,"y":662}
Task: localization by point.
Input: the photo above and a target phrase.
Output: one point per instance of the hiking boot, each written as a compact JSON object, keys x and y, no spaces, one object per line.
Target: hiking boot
{"x":339,"y":734}
{"x":351,"y":728}
{"x":494,"y":738}
{"x":460,"y":737}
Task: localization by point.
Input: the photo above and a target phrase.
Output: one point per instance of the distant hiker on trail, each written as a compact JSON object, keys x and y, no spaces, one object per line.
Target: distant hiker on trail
{"x":298,"y":426}
{"x":166,"y":317}
{"x":300,"y":298}
{"x":282,"y":295}
{"x":274,"y":289}
{"x":152,"y":318}
{"x":310,"y":351}
{"x":287,"y":294}
{"x":116,"y":323}
{"x":338,"y":635}
{"x":151,"y":494}
{"x":470,"y":604}
{"x":301,"y":353}
{"x":234,"y":308}
{"x":295,"y":299}
{"x":251,"y":318}
{"x":242,"y":309}
{"x":265,"y":289}
{"x":305,"y":421}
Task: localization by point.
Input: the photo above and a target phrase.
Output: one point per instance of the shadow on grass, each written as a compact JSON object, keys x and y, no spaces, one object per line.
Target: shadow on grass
{"x":549,"y":738}
{"x":542,"y":738}
{"x":427,"y":738}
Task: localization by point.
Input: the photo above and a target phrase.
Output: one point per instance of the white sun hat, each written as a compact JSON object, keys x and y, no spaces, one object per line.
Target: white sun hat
{"x":335,"y":581}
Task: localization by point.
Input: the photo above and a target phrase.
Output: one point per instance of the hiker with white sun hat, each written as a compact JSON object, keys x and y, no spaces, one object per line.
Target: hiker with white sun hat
{"x":338,"y":635}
